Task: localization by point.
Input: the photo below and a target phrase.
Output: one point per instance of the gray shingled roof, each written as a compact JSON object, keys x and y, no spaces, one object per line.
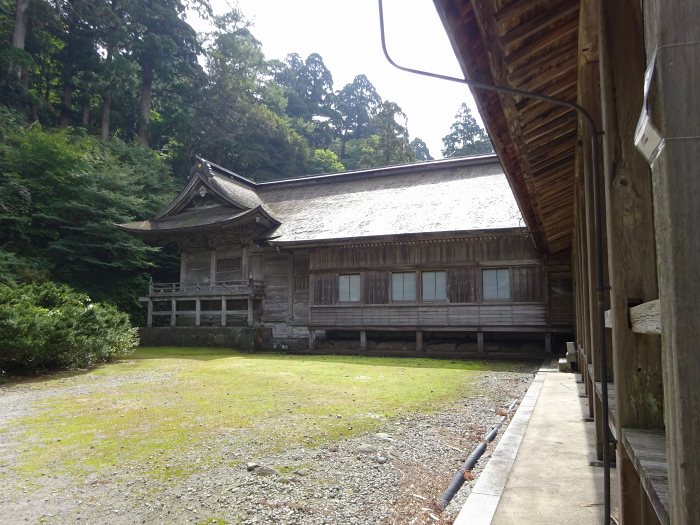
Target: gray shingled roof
{"x":440,"y":196}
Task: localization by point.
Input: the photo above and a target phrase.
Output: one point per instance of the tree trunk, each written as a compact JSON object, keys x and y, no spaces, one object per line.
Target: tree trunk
{"x":145,"y":102}
{"x":67,"y":97}
{"x":85,"y":119}
{"x":106,"y":112}
{"x":19,"y":36}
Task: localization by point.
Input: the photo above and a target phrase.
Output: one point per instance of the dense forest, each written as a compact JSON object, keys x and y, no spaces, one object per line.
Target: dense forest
{"x":103,"y":104}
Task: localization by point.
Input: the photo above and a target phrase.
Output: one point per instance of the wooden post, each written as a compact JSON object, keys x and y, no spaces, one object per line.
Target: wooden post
{"x":419,"y":340}
{"x":312,"y":339}
{"x":149,"y":314}
{"x":363,"y":339}
{"x":173,"y":312}
{"x":480,"y":342}
{"x":251,"y":321}
{"x":548,"y":343}
{"x":631,"y":248}
{"x":245,"y":267}
{"x":223,"y":311}
{"x":197,"y":311}
{"x":290,"y":287}
{"x":676,"y":187}
{"x":589,"y":99}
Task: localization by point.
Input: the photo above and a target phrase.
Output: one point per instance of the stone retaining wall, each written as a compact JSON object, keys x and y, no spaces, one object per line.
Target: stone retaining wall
{"x":238,"y":337}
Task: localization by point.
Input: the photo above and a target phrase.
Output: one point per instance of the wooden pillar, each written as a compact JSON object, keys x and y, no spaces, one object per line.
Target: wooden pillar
{"x":251,"y":312}
{"x":676,"y":188}
{"x":631,"y":249}
{"x":363,"y":339}
{"x":548,"y":343}
{"x":223,"y":311}
{"x":290,"y":287}
{"x":173,"y":312}
{"x":197,"y":311}
{"x":419,"y":340}
{"x":480,"y":342}
{"x":245,"y":267}
{"x":212,"y":266}
{"x":589,"y":99}
{"x":312,"y":339}
{"x":149,"y":314}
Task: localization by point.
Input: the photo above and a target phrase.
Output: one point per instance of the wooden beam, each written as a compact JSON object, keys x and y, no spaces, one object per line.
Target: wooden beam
{"x":549,"y":19}
{"x":646,"y":318}
{"x":549,"y":39}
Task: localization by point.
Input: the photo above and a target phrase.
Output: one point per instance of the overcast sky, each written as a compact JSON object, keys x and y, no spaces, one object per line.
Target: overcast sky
{"x":346,"y":34}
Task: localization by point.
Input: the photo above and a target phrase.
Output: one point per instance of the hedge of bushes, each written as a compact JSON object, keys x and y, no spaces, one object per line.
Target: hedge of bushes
{"x":50,"y":327}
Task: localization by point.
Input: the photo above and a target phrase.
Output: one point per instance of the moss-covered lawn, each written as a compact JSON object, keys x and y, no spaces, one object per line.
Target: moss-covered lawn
{"x":152,"y":409}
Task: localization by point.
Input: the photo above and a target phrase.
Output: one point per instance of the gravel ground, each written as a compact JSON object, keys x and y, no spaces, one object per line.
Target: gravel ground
{"x":393,"y":476}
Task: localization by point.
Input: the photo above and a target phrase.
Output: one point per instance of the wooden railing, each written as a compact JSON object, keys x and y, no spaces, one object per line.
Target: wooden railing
{"x":643,"y":319}
{"x":250,"y":287}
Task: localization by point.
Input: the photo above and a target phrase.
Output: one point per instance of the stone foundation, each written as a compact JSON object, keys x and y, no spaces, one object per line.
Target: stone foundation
{"x":237,"y":337}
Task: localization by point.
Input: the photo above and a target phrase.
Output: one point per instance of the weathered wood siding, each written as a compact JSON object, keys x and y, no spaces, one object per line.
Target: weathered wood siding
{"x":429,"y":316}
{"x":527,"y":284}
{"x":438,"y":252}
{"x":561,"y":303}
{"x":463,"y":285}
{"x":463,"y":261}
{"x":300,"y":288}
{"x":375,"y":287}
{"x":324,"y":288}
{"x":195,"y":266}
{"x":276,"y":277}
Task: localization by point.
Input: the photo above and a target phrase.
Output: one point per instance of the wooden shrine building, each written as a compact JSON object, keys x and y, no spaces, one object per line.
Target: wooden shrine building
{"x":431,"y":256}
{"x":622,"y":62}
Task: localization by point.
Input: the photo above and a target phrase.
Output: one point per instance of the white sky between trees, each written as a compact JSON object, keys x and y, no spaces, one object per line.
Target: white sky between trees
{"x":346,"y":34}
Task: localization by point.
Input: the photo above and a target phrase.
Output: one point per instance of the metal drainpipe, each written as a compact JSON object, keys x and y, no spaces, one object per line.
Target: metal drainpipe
{"x":598,"y":228}
{"x":459,"y":479}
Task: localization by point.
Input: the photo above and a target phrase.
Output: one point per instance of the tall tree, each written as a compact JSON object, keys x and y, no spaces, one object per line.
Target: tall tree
{"x":420,"y":150}
{"x":243,"y":133}
{"x":390,"y":124}
{"x":308,"y":88}
{"x":356,"y":105}
{"x":466,"y":137}
{"x":19,"y":37}
{"x":161,"y":41}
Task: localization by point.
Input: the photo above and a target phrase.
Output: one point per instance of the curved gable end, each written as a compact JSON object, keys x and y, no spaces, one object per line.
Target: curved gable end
{"x":212,"y":198}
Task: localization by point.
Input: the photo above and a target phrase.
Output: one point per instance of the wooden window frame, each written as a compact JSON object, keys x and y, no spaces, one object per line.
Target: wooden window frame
{"x":415,"y":288}
{"x":422,"y":287}
{"x":349,"y":300}
{"x":510,"y":286}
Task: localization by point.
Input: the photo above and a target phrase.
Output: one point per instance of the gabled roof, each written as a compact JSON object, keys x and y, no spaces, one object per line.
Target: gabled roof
{"x":453,"y":195}
{"x":233,"y":190}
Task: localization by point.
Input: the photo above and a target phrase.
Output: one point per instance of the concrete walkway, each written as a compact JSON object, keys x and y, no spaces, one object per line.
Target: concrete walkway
{"x":539,"y":472}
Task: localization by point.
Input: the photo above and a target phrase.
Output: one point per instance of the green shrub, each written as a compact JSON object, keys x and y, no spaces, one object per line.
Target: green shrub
{"x":48,"y":326}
